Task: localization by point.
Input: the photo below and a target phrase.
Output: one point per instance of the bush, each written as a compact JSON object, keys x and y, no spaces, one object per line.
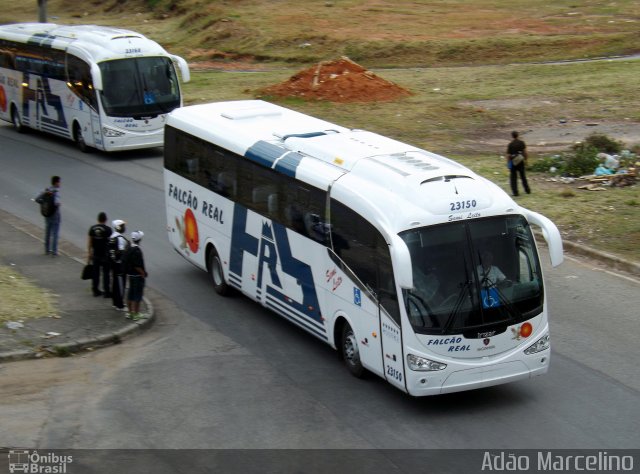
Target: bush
{"x":583,"y":160}
{"x":546,"y":163}
{"x":603,"y":143}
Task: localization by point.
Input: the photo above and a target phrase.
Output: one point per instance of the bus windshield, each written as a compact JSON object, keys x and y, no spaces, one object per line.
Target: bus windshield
{"x":473,"y":275}
{"x":139,"y":87}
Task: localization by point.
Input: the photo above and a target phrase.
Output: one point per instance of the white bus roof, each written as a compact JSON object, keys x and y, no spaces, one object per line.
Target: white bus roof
{"x":387,"y":181}
{"x":99,"y":43}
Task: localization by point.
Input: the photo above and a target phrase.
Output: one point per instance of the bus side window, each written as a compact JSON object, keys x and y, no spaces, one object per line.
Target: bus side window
{"x":260,"y":196}
{"x":79,"y":78}
{"x":226,"y":184}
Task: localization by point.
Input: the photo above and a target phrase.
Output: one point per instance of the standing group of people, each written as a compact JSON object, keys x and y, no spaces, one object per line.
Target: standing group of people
{"x":110,"y":252}
{"x":116,"y":260}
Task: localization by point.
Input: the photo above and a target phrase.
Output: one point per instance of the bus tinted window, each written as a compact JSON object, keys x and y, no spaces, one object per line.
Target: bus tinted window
{"x":139,"y":87}
{"x":295,"y":204}
{"x":364,"y":250}
{"x":79,"y":78}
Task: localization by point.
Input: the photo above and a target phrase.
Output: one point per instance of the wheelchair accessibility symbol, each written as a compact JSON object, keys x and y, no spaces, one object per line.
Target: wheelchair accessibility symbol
{"x":490,"y":298}
{"x":357,"y":297}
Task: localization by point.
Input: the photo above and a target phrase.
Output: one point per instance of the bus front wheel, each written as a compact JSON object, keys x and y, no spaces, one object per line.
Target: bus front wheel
{"x":217,"y":273}
{"x":350,"y":352}
{"x":79,"y":139}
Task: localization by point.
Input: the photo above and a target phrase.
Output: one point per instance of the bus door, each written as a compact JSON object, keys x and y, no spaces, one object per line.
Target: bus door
{"x":390,"y":325}
{"x":95,"y":125}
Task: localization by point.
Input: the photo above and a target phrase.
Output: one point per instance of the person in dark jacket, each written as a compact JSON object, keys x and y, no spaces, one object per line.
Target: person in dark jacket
{"x":516,"y":158}
{"x":118,"y":246}
{"x":134,"y":262}
{"x":98,"y":255}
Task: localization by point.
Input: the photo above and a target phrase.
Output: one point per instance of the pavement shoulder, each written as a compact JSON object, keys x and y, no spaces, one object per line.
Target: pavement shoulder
{"x":82,"y":322}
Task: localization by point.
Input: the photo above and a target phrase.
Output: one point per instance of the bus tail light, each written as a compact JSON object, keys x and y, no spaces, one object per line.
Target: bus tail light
{"x":424,"y":365}
{"x":540,"y":345}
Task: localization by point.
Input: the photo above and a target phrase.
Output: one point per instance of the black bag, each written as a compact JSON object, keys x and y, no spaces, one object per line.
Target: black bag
{"x":47,"y":203}
{"x":87,"y":272}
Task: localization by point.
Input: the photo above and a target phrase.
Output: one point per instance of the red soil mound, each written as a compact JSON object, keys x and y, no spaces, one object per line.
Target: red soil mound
{"x":338,"y":81}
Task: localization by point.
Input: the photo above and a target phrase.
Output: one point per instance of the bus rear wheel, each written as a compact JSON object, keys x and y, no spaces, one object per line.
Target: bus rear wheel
{"x":15,"y":120}
{"x":350,"y":352}
{"x":217,"y":273}
{"x":79,"y":139}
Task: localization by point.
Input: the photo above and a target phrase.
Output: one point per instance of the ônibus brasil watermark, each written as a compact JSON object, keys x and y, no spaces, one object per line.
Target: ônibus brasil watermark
{"x":23,"y":460}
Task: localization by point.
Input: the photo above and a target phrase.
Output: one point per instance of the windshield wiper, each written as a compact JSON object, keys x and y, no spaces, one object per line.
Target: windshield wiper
{"x":456,"y":308}
{"x":511,"y":311}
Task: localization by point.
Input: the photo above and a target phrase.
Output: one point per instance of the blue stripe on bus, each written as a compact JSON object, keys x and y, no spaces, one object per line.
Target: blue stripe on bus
{"x":288,"y":164}
{"x":264,"y":153}
{"x":41,"y":39}
{"x":273,"y":305}
{"x":312,"y":314}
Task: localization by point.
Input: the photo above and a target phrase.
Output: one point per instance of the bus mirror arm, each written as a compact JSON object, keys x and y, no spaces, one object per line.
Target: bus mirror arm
{"x":402,"y":263}
{"x":183,"y":66}
{"x":551,"y":235}
{"x":96,"y":76}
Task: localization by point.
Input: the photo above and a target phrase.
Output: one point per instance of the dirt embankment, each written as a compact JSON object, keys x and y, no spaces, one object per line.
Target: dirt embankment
{"x":337,"y":81}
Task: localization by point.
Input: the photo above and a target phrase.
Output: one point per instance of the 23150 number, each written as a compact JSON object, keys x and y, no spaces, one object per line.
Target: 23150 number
{"x":462,"y":205}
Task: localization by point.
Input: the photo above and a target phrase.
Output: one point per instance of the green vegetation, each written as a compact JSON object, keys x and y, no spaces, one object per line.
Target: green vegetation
{"x":398,"y":33}
{"x":489,"y":78}
{"x":21,"y":299}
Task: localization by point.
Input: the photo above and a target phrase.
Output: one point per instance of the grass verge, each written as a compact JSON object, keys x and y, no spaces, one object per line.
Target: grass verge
{"x":21,"y":299}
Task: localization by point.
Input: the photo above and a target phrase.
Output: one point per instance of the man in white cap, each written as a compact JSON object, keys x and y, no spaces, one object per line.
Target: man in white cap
{"x":137,"y":274}
{"x":118,"y":245}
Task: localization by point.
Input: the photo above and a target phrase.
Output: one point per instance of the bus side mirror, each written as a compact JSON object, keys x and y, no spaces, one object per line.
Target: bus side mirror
{"x":551,"y":235}
{"x":401,"y":259}
{"x":183,"y":66}
{"x":96,"y":76}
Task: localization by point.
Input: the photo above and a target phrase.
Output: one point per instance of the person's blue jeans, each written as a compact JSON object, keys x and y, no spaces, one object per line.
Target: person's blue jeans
{"x":51,"y":228}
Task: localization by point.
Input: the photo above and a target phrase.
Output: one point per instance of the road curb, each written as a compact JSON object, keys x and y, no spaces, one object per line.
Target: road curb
{"x":101,"y":340}
{"x":615,"y":262}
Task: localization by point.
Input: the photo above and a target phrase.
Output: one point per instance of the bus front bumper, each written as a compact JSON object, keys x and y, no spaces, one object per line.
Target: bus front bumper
{"x":435,"y":383}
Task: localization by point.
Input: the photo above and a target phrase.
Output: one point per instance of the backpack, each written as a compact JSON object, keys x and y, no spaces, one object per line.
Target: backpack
{"x":115,"y":254}
{"x":47,"y":203}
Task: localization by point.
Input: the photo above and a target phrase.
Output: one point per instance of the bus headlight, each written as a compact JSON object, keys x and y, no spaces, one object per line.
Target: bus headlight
{"x":540,"y":345}
{"x":110,"y":132}
{"x":424,"y":365}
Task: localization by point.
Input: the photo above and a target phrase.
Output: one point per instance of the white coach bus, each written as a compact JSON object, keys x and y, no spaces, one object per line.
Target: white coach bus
{"x":411,"y":265}
{"x":102,"y":87}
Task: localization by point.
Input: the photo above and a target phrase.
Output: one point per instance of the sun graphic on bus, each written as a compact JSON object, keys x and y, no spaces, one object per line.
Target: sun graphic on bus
{"x":3,"y":99}
{"x":188,"y":230}
{"x":522,"y":332}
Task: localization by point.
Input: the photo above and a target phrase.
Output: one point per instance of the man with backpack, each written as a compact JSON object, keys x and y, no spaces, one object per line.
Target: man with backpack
{"x":118,"y":246}
{"x":49,"y":201}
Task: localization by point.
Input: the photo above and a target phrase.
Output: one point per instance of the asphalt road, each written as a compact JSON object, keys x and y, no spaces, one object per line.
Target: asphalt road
{"x":225,"y":373}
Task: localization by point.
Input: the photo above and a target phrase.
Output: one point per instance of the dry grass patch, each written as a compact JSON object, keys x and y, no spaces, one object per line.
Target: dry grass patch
{"x":21,"y":299}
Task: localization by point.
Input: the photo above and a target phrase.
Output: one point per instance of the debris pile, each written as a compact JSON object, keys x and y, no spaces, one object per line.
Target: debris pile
{"x":338,"y":81}
{"x":613,"y":171}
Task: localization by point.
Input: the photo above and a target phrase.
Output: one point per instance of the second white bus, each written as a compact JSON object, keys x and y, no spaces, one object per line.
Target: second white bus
{"x":411,"y":265}
{"x":102,"y":87}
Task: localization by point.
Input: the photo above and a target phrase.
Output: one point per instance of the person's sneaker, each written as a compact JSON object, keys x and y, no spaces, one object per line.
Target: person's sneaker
{"x":97,"y":293}
{"x":135,"y":317}
{"x":120,"y":308}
